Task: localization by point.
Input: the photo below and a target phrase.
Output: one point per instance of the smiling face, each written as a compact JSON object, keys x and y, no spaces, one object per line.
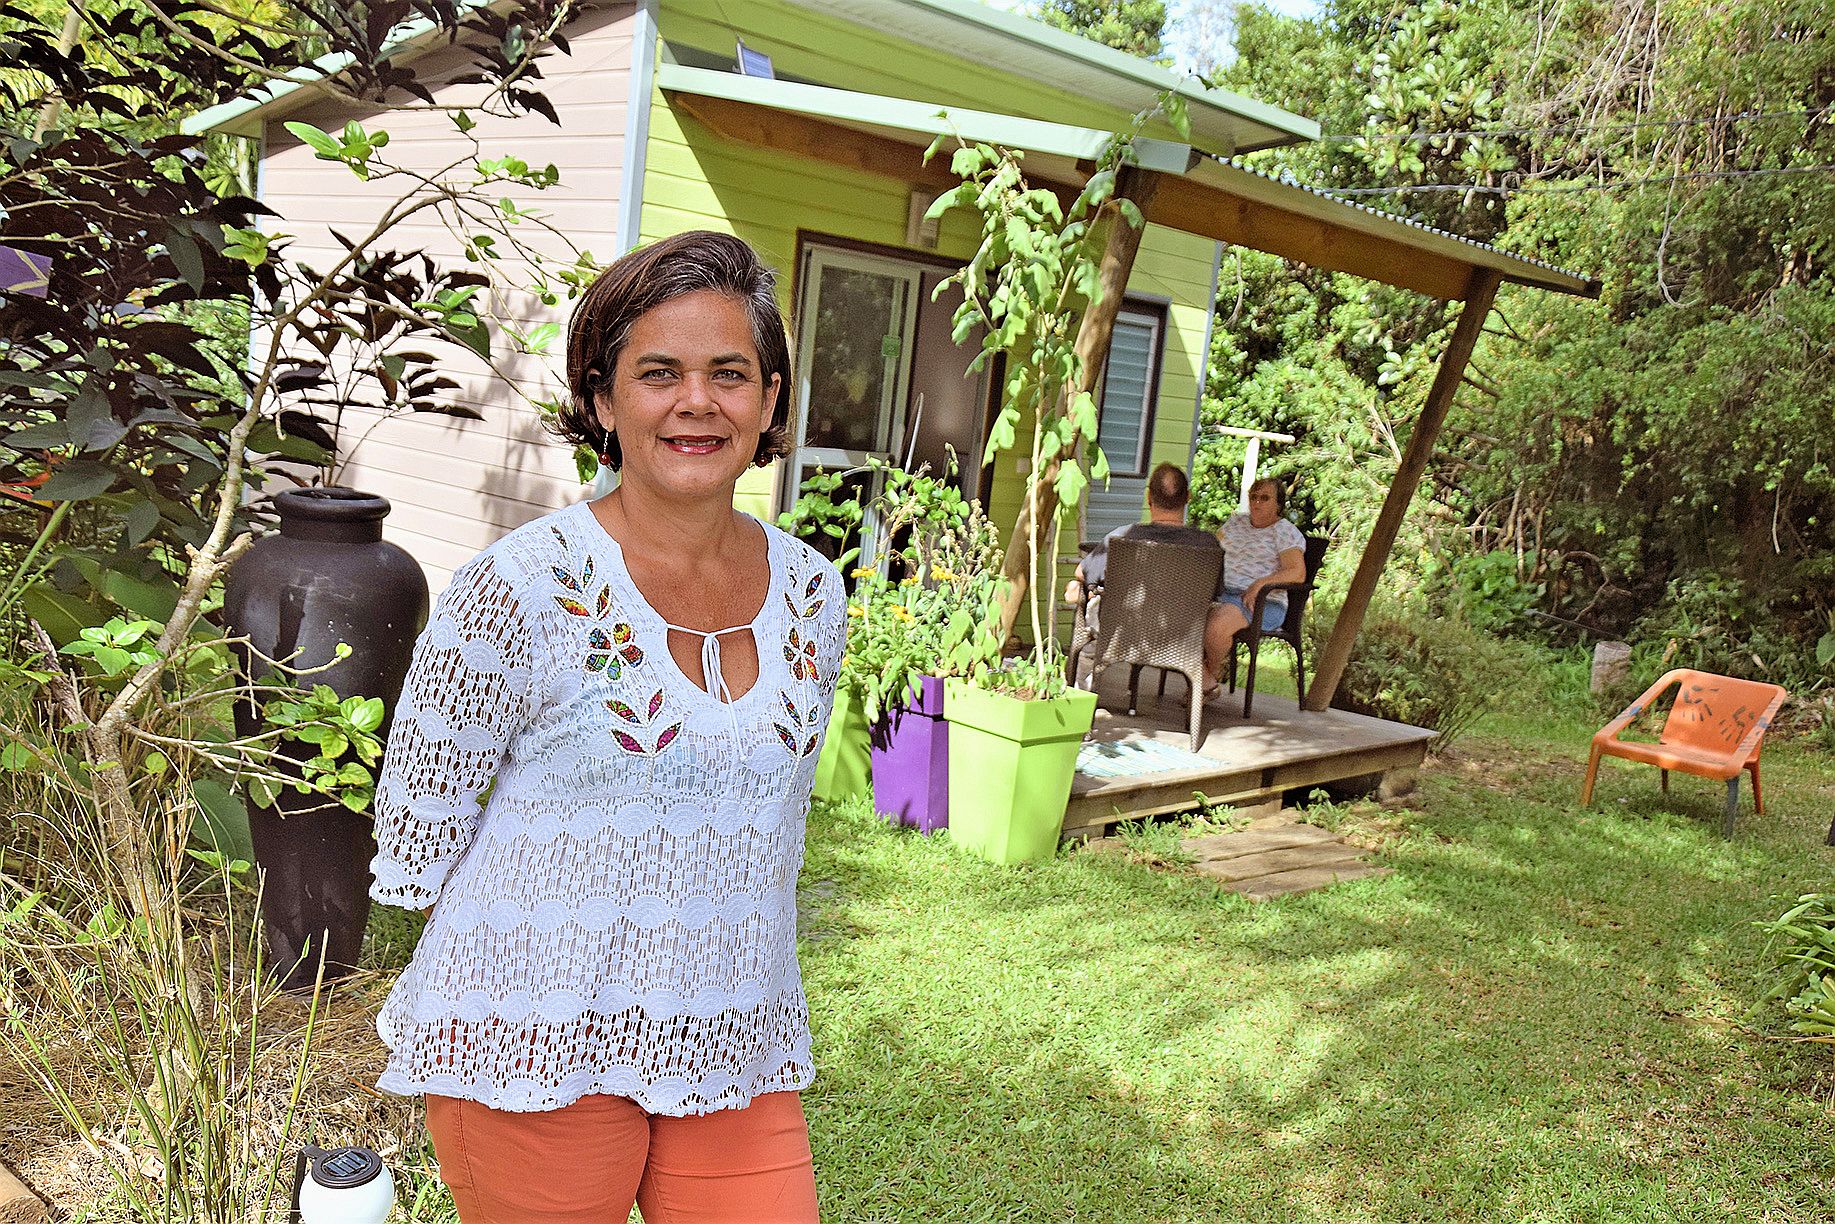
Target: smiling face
{"x":1264,"y":504}
{"x":688,"y":399}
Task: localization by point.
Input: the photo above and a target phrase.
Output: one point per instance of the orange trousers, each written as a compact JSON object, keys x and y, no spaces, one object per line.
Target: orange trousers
{"x":589,"y":1161}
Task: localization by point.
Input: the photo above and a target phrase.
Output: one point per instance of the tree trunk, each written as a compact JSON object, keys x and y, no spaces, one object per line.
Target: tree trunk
{"x":1037,"y":513}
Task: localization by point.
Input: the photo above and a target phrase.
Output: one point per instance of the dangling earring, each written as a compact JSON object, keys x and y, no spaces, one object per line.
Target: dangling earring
{"x":605,"y":448}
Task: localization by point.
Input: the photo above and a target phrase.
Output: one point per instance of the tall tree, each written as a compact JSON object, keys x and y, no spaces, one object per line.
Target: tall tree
{"x":1135,"y":26}
{"x":1654,"y":465}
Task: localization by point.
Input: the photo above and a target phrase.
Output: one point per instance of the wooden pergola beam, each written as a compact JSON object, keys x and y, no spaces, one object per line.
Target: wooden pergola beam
{"x":1178,"y":203}
{"x":1480,"y":292}
{"x":815,"y":139}
{"x":1193,"y":207}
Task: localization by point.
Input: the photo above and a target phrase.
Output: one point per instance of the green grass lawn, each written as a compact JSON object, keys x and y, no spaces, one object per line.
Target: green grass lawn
{"x":1542,"y":1015}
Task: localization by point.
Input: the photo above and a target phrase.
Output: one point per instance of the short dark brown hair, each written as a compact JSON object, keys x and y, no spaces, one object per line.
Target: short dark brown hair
{"x":1168,"y":488}
{"x":699,"y":261}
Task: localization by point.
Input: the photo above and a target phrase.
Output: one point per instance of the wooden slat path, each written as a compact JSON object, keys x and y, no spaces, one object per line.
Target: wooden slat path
{"x":1278,"y":856}
{"x":1241,"y":764}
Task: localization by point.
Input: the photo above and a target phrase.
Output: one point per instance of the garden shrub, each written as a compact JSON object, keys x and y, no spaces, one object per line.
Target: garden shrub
{"x":1802,"y":970}
{"x":1414,"y":665}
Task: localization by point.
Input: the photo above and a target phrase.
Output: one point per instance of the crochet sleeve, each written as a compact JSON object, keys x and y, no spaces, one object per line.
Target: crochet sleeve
{"x":468,"y":693}
{"x":833,"y":643}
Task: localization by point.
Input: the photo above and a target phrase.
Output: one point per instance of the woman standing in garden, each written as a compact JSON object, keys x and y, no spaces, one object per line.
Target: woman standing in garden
{"x":606,"y":1004}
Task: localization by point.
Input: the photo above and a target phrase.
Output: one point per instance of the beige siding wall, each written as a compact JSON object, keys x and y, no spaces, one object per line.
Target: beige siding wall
{"x":458,"y":485}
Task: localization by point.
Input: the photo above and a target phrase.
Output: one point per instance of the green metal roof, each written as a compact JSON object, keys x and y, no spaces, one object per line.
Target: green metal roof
{"x":1221,"y":122}
{"x":904,"y":118}
{"x":1054,"y":150}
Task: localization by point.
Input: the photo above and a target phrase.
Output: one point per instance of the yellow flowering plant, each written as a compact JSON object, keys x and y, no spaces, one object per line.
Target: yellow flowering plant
{"x":925,"y":592}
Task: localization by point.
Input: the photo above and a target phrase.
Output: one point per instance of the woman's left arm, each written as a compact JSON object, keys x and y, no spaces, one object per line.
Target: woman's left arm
{"x":831,"y":640}
{"x":1290,"y":566}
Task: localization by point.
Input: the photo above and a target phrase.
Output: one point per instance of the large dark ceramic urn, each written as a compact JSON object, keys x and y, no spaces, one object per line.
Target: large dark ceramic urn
{"x":327,"y":577}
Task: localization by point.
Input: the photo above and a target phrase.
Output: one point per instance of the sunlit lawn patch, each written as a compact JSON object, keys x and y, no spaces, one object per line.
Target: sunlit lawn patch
{"x":1539,"y":1016}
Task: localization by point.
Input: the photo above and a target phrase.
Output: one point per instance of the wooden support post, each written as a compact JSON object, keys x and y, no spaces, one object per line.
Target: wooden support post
{"x":1481,"y":290}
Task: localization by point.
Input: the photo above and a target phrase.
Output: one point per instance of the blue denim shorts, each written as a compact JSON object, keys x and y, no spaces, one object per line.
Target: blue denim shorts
{"x":1272,"y":613}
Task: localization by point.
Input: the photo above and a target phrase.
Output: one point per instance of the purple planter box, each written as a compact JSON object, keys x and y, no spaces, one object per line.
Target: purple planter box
{"x":910,"y":756}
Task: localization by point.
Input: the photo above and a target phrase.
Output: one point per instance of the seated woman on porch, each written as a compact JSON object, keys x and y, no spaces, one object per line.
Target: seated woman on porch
{"x":605,"y":1005}
{"x":1259,"y":548}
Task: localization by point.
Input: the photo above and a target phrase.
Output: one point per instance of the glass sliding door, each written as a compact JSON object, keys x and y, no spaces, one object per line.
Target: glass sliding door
{"x":857,"y":316}
{"x":878,"y":376}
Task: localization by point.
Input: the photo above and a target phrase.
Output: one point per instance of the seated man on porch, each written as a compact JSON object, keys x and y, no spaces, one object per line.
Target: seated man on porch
{"x":1259,"y":548}
{"x":1168,"y":493}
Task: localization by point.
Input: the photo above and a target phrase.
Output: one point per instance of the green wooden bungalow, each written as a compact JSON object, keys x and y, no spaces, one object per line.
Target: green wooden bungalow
{"x":660,"y":134}
{"x":800,"y":126}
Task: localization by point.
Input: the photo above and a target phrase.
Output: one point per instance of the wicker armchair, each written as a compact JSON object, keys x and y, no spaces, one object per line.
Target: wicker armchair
{"x":1287,"y":631}
{"x":1154,"y":603}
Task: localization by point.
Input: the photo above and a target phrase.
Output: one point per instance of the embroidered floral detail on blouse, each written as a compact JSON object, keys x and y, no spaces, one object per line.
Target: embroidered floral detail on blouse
{"x":809,"y":609}
{"x":801,"y":724}
{"x":629,"y":742}
{"x":800,"y":651}
{"x":612,"y":652}
{"x":580,"y":584}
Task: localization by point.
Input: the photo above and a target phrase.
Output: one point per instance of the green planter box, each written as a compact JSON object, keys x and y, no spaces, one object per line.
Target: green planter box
{"x":1010,"y":767}
{"x":843,"y":768}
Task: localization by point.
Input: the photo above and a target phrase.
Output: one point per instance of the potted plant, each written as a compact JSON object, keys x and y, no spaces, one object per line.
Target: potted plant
{"x":917,"y":616}
{"x":1043,"y":286}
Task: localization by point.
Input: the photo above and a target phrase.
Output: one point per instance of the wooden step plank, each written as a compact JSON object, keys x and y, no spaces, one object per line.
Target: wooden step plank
{"x":1306,"y":879}
{"x":18,"y":1205}
{"x":1272,"y":862}
{"x":1254,"y":841}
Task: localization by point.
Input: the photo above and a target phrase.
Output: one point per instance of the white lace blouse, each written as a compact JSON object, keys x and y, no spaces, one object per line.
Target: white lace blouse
{"x":620,"y":915}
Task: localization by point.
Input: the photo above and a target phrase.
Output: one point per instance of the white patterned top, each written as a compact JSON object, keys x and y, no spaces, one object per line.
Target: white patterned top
{"x":1251,"y":553}
{"x":620,"y":916}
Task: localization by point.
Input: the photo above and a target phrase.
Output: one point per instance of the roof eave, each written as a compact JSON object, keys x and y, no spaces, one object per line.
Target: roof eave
{"x":1281,"y":127}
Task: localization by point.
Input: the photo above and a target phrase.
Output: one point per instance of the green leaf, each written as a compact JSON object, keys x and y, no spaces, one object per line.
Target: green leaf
{"x":63,"y":616}
{"x":78,"y":480}
{"x":112,"y":659}
{"x":368,"y":714}
{"x":187,"y":258}
{"x":154,"y":598}
{"x":225,"y":818}
{"x":1177,"y":113}
{"x":15,"y":755}
{"x":44,"y":435}
{"x":321,"y":142}
{"x":138,"y":523}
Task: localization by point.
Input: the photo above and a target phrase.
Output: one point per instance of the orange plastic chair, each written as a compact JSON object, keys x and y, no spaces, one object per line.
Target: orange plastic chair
{"x":1714,"y":730}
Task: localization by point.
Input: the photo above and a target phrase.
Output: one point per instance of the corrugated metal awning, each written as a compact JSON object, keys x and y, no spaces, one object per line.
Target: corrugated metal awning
{"x":1199,"y":195}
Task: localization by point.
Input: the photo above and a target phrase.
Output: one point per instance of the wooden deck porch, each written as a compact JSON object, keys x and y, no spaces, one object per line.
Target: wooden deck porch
{"x":1143,"y":766}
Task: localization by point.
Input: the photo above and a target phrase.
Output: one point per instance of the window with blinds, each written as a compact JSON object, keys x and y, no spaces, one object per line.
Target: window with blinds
{"x":1125,"y":411}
